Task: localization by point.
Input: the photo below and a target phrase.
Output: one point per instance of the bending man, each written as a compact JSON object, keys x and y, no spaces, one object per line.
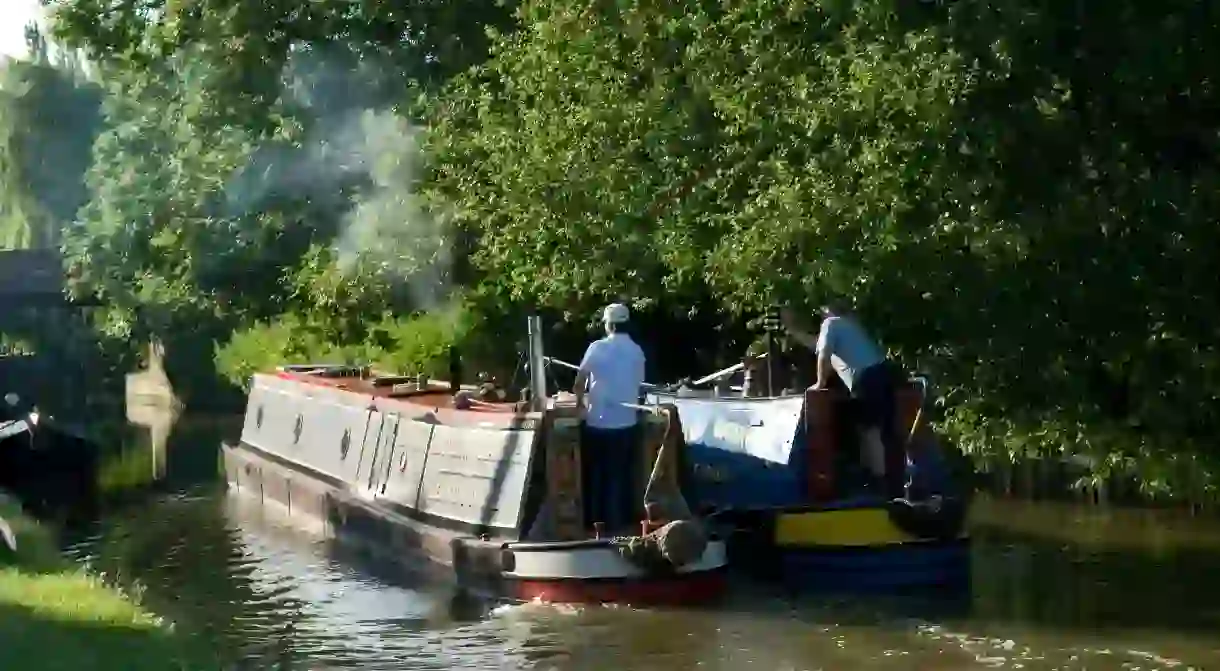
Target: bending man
{"x":612,"y":373}
{"x":843,"y":346}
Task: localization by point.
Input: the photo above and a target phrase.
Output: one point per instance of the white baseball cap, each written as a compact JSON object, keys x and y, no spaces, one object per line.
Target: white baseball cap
{"x":616,"y":313}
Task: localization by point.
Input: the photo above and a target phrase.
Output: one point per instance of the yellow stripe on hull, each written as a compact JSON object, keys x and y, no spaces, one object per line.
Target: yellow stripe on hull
{"x":855,"y":527}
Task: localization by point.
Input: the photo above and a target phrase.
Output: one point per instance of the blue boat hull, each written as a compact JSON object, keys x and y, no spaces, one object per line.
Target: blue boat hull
{"x":750,"y":460}
{"x":901,"y":567}
{"x":851,"y":546}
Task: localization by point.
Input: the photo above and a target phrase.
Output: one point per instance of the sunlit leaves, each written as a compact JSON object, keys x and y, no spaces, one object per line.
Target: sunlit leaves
{"x":1017,"y":196}
{"x":48,"y":119}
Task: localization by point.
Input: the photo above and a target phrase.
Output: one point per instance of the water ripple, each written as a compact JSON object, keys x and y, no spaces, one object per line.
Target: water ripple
{"x":273,"y":600}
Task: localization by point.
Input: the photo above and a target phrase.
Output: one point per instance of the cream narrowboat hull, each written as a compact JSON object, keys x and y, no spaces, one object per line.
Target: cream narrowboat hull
{"x":408,"y":477}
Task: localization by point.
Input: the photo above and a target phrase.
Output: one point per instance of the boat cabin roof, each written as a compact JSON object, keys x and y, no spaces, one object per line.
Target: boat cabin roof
{"x":435,"y":395}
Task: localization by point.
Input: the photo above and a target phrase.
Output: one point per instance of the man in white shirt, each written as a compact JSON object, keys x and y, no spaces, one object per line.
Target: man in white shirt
{"x":611,"y":374}
{"x":844,"y":347}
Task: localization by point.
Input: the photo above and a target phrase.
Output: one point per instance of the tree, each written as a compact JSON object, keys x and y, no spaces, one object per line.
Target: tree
{"x":980,"y":179}
{"x":693,"y":147}
{"x":246,"y":47}
{"x":236,"y":136}
{"x":983,"y":179}
{"x":240,"y":141}
{"x":48,"y":119}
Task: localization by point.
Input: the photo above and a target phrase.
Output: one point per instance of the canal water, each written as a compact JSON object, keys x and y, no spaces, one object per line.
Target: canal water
{"x":1055,"y":587}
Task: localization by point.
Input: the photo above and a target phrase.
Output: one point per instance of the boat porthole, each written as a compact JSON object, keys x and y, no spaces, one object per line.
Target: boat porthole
{"x":297,"y":429}
{"x":258,"y":417}
{"x":508,"y":561}
{"x":345,"y":443}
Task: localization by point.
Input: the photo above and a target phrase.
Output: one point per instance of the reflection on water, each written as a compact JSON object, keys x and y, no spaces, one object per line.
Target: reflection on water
{"x":1056,"y":587}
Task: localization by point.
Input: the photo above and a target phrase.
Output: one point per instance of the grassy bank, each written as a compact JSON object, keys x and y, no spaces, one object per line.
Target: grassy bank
{"x":55,"y":616}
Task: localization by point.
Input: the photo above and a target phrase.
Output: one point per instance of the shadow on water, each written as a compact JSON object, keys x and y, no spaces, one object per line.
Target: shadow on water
{"x":1071,"y":567}
{"x":1054,"y":587}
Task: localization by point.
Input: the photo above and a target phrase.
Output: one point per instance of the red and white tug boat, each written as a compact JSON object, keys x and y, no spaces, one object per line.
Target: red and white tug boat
{"x":403,"y":468}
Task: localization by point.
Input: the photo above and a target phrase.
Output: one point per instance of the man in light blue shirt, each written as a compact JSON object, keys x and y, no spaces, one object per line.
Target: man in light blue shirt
{"x":844,"y":347}
{"x":611,"y":375}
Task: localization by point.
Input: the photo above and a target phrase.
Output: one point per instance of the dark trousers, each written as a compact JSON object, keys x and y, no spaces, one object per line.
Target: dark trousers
{"x":876,"y":390}
{"x":610,"y":462}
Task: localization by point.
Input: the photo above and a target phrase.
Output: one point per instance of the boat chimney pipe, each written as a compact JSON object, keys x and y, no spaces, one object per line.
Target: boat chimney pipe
{"x":537,"y":362}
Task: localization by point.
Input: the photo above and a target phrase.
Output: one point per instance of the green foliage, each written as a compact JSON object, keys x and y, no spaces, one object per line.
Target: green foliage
{"x":251,"y":163}
{"x":980,"y":178}
{"x":676,"y":147}
{"x":248,"y":44}
{"x":286,"y":340}
{"x":1019,"y":197}
{"x":11,"y":345}
{"x":415,"y":344}
{"x":149,"y":236}
{"x":48,"y":119}
{"x":69,"y":619}
{"x":128,"y":470}
{"x":421,"y":343}
{"x":36,"y":545}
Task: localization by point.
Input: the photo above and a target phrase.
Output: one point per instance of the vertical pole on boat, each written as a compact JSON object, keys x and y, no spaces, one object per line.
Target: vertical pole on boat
{"x":770,"y":364}
{"x":455,"y":369}
{"x":537,"y":372}
{"x":771,"y":324}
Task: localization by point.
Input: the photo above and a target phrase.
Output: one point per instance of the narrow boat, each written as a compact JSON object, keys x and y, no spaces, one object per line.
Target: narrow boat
{"x":16,"y":423}
{"x":781,"y":475}
{"x":43,"y":462}
{"x":405,"y":469}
